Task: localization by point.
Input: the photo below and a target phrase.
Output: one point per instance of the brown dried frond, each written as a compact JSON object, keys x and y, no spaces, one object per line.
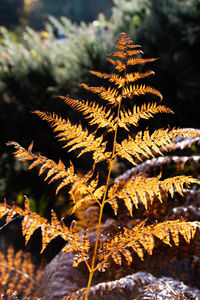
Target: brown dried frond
{"x":55,"y":171}
{"x":140,"y":189}
{"x":157,"y":163}
{"x":141,"y":238}
{"x":144,"y":111}
{"x":186,"y":142}
{"x":94,"y":111}
{"x":140,"y":285}
{"x":17,"y":272}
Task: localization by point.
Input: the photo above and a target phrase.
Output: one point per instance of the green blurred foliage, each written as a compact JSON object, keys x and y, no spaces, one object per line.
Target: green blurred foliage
{"x":37,"y":66}
{"x":34,"y":13}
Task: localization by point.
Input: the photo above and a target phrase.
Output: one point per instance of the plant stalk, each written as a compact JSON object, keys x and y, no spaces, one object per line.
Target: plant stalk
{"x":102,"y":206}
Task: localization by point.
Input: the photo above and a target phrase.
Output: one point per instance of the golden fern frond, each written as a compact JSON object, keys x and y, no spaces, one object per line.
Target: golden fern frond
{"x":84,"y":247}
{"x":149,"y":145}
{"x":96,"y":112}
{"x":119,"y":80}
{"x":140,"y":189}
{"x":124,"y":44}
{"x":77,"y":245}
{"x":84,"y":192}
{"x":77,"y":137}
{"x":138,"y":61}
{"x":126,"y":154}
{"x":32,"y":221}
{"x":115,"y":78}
{"x":89,"y":198}
{"x":134,"y":52}
{"x":119,"y":65}
{"x":141,"y":238}
{"x":74,"y":133}
{"x":55,"y":171}
{"x":145,"y":111}
{"x":123,"y":55}
{"x":17,"y":272}
{"x":124,"y":41}
{"x":131,"y":77}
{"x":111,"y":95}
{"x":138,"y":90}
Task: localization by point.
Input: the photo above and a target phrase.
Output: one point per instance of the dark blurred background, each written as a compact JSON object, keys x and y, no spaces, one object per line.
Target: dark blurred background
{"x":46,"y":49}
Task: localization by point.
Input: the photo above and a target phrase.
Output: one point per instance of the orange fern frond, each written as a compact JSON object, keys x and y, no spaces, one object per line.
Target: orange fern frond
{"x":84,"y":192}
{"x":149,"y":145}
{"x":55,"y":171}
{"x":115,"y":78}
{"x":141,"y":189}
{"x":90,"y":198}
{"x":124,"y":54}
{"x":138,"y":61}
{"x":138,"y":90}
{"x":144,"y":111}
{"x":32,"y":221}
{"x":77,"y":137}
{"x":131,"y":77}
{"x":122,"y":152}
{"x":141,"y":238}
{"x":82,"y":249}
{"x":94,"y":111}
{"x":111,"y":95}
{"x":121,"y":54}
{"x":17,"y":272}
{"x":119,"y":80}
{"x":119,"y":65}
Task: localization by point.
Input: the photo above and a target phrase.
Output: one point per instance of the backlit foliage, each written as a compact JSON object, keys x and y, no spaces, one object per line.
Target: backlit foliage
{"x":104,"y":141}
{"x":17,"y":273}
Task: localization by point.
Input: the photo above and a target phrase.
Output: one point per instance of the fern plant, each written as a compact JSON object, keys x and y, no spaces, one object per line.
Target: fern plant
{"x":18,"y":273}
{"x":109,"y":137}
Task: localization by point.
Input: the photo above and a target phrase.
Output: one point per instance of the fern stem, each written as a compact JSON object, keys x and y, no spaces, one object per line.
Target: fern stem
{"x":92,"y":269}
